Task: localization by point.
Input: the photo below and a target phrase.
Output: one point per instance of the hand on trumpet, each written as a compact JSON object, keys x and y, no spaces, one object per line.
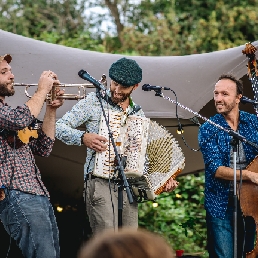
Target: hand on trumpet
{"x":57,"y":102}
{"x":46,"y":81}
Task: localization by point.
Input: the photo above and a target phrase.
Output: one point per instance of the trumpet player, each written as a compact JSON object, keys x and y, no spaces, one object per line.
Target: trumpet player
{"x":25,"y":209}
{"x":125,"y":74}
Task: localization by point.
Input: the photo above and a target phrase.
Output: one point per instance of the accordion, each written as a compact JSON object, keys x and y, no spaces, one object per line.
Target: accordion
{"x":152,"y":155}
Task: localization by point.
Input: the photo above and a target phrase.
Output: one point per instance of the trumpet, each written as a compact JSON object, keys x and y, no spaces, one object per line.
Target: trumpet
{"x":51,"y":96}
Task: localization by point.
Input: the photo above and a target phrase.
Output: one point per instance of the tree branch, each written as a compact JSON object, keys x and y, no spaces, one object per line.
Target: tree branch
{"x":112,"y":6}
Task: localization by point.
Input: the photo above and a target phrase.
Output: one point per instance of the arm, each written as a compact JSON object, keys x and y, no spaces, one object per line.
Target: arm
{"x":82,"y":112}
{"x":18,"y":118}
{"x":66,"y":127}
{"x":213,"y":156}
{"x":42,"y":146}
{"x":49,"y":121}
{"x":228,"y":174}
{"x":216,"y":160}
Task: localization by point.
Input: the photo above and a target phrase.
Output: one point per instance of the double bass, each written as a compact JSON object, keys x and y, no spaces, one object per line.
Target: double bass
{"x":248,"y":196}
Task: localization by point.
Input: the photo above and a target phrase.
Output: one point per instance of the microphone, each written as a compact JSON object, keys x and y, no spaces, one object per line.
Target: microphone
{"x":86,"y":76}
{"x":245,"y":100}
{"x":148,"y":87}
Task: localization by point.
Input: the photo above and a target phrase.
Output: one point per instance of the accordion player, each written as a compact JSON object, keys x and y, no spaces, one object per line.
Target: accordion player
{"x":152,"y":155}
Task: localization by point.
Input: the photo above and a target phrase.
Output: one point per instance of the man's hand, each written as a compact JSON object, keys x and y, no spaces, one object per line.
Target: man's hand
{"x":2,"y":194}
{"x":46,"y":81}
{"x":95,"y":142}
{"x":45,"y":84}
{"x":57,"y":102}
{"x":253,"y":177}
{"x":171,"y":185}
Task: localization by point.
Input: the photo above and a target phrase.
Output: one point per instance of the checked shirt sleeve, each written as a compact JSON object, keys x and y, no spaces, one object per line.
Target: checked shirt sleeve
{"x":14,"y":119}
{"x":42,"y":146}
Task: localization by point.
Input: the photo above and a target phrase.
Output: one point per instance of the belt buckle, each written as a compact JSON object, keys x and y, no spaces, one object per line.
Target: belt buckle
{"x":90,"y":176}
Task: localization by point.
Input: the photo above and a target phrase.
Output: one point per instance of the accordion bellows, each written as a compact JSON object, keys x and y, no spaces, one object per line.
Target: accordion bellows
{"x":153,"y":156}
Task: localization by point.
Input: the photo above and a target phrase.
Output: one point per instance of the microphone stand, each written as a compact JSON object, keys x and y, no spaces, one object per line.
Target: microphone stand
{"x":234,"y":143}
{"x":236,"y":137}
{"x":122,"y":180}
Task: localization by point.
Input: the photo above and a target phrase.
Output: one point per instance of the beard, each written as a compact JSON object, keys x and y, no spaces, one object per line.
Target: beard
{"x":226,"y":109}
{"x":122,"y":96}
{"x":5,"y":92}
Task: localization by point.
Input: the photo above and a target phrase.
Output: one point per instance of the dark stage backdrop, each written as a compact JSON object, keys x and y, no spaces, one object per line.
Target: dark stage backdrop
{"x":73,"y":229}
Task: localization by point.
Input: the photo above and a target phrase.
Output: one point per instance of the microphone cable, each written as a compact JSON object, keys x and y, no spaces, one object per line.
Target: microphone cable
{"x":107,"y":100}
{"x":180,"y":125}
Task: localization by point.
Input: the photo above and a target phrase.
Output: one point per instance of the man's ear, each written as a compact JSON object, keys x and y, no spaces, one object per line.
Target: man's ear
{"x":239,"y":97}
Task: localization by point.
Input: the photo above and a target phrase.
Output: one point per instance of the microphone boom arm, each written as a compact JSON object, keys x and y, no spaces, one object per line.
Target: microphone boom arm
{"x":230,"y":132}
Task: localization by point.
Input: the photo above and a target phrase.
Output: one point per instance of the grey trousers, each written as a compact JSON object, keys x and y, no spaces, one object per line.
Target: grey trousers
{"x":102,"y":206}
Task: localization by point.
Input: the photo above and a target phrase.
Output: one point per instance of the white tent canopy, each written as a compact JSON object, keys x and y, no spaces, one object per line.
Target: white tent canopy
{"x":191,"y":77}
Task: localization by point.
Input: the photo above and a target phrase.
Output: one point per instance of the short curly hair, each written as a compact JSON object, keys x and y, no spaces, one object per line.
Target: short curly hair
{"x":126,"y":72}
{"x":239,"y":83}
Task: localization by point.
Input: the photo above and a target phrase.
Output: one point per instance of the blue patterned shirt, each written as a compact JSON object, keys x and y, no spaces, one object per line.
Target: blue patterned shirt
{"x":215,"y":147}
{"x":87,"y":111}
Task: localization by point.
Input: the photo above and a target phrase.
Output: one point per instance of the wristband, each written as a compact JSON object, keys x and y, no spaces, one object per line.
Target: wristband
{"x":82,"y":138}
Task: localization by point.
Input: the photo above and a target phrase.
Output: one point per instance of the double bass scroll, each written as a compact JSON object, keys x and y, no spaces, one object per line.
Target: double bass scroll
{"x":249,"y":51}
{"x":248,"y":197}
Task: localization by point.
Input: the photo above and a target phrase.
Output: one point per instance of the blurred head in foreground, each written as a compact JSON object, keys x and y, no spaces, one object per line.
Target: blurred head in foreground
{"x":126,"y":243}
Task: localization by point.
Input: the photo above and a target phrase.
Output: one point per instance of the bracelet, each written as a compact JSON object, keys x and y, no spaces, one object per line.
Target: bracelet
{"x":82,"y":143}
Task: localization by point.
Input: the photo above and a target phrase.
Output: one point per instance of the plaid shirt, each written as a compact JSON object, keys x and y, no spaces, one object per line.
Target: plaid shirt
{"x":215,"y":147}
{"x":87,"y":111}
{"x":18,"y":166}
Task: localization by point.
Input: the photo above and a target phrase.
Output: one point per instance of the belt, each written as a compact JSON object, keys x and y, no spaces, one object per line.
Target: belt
{"x":90,"y":176}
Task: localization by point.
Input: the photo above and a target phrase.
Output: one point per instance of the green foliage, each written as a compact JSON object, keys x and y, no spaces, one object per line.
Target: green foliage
{"x":179,"y":216}
{"x":185,"y":27}
{"x":147,"y":27}
{"x":82,"y":41}
{"x":31,"y":18}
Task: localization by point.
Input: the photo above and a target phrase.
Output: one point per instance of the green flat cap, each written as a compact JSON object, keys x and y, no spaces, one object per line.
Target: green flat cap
{"x":126,"y":72}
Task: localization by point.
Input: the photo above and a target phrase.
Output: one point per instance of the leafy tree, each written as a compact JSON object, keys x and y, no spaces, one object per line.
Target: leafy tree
{"x":54,"y":21}
{"x":179,"y":216}
{"x":173,"y":27}
{"x":161,"y":27}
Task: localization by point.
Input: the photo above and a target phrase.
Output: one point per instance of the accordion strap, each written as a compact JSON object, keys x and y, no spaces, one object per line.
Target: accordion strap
{"x":136,"y":108}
